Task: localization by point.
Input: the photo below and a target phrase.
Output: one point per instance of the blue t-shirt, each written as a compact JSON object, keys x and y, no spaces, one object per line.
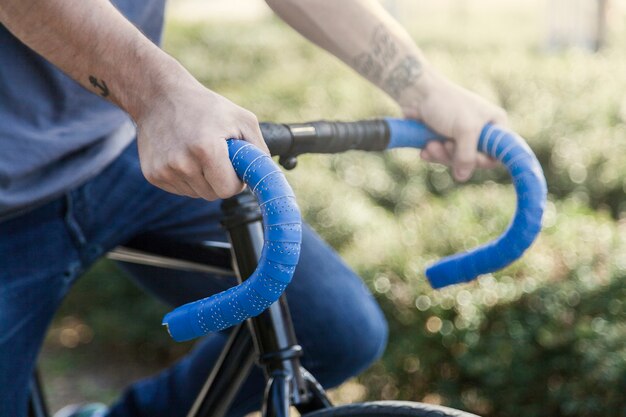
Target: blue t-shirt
{"x":54,"y":134}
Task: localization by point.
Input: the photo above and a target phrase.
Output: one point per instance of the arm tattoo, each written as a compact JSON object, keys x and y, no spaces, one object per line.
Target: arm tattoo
{"x":402,"y":76}
{"x":383,"y":45}
{"x":371,"y":64}
{"x":375,"y":63}
{"x":100,"y":85}
{"x":366,"y":65}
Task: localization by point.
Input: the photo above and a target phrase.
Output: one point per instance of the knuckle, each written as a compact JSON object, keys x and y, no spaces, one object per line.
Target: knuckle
{"x":200,"y":150}
{"x":181,"y":166}
{"x":248,"y":115}
{"x":497,"y":113}
{"x":252,"y":119}
{"x":155,"y":177}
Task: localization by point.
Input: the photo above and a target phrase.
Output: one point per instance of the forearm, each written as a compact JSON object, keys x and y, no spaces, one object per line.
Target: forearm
{"x":364,"y":36}
{"x":96,"y":46}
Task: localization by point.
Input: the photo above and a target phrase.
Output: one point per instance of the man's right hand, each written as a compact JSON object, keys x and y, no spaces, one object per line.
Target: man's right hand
{"x":183,"y":127}
{"x":182,"y":142}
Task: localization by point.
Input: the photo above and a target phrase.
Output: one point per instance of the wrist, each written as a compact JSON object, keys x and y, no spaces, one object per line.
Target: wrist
{"x":411,"y":98}
{"x":160,"y":78}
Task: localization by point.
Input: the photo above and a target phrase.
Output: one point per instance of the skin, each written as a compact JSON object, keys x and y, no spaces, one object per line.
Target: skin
{"x":183,"y":126}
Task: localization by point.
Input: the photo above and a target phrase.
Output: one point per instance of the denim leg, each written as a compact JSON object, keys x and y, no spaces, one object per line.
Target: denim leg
{"x":38,"y":262}
{"x":339,"y":325}
{"x":337,"y":322}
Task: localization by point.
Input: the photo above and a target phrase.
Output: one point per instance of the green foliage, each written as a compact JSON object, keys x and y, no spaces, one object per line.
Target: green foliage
{"x":546,"y":336}
{"x":530,"y":341}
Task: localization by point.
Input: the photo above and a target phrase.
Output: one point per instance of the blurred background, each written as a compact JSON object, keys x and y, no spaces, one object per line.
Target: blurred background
{"x":546,"y":336}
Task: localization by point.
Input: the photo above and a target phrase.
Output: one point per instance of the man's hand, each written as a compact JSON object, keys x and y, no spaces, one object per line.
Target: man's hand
{"x":457,"y":114}
{"x":182,"y":142}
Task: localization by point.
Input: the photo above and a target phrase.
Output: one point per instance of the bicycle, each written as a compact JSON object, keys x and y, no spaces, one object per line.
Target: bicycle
{"x":263,"y":252}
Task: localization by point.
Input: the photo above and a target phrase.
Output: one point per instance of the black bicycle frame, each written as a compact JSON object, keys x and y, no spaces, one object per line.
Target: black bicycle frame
{"x":267,"y":340}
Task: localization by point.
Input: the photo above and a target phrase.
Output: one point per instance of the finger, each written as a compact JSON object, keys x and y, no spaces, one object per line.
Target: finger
{"x":438,"y":153}
{"x":252,"y":133}
{"x":187,"y":189}
{"x":183,"y":188}
{"x":425,"y":155}
{"x":483,"y":161}
{"x":464,"y":159}
{"x":166,"y":181}
{"x":213,"y":195}
{"x":218,"y":171}
{"x":177,"y":189}
{"x":202,"y":188}
{"x":180,"y":168}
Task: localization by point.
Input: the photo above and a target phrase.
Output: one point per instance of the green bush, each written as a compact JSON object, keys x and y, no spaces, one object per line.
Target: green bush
{"x":532,"y":341}
{"x":119,"y":317}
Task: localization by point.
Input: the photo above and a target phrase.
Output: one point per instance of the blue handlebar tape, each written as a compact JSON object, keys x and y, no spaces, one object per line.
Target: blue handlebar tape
{"x":530,"y":186}
{"x":281,"y":250}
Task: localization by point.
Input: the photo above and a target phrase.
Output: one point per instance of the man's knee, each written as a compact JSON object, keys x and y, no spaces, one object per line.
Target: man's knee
{"x":348,"y":347}
{"x":338,"y":322}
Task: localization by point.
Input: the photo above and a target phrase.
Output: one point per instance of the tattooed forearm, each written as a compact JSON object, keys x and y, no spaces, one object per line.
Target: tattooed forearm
{"x":402,"y":76}
{"x":383,"y":49}
{"x":368,"y":66}
{"x":100,"y":85}
{"x":378,"y":66}
{"x":383,"y":46}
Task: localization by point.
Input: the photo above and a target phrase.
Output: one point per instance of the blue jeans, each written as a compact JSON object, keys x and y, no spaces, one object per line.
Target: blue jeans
{"x":44,"y":251}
